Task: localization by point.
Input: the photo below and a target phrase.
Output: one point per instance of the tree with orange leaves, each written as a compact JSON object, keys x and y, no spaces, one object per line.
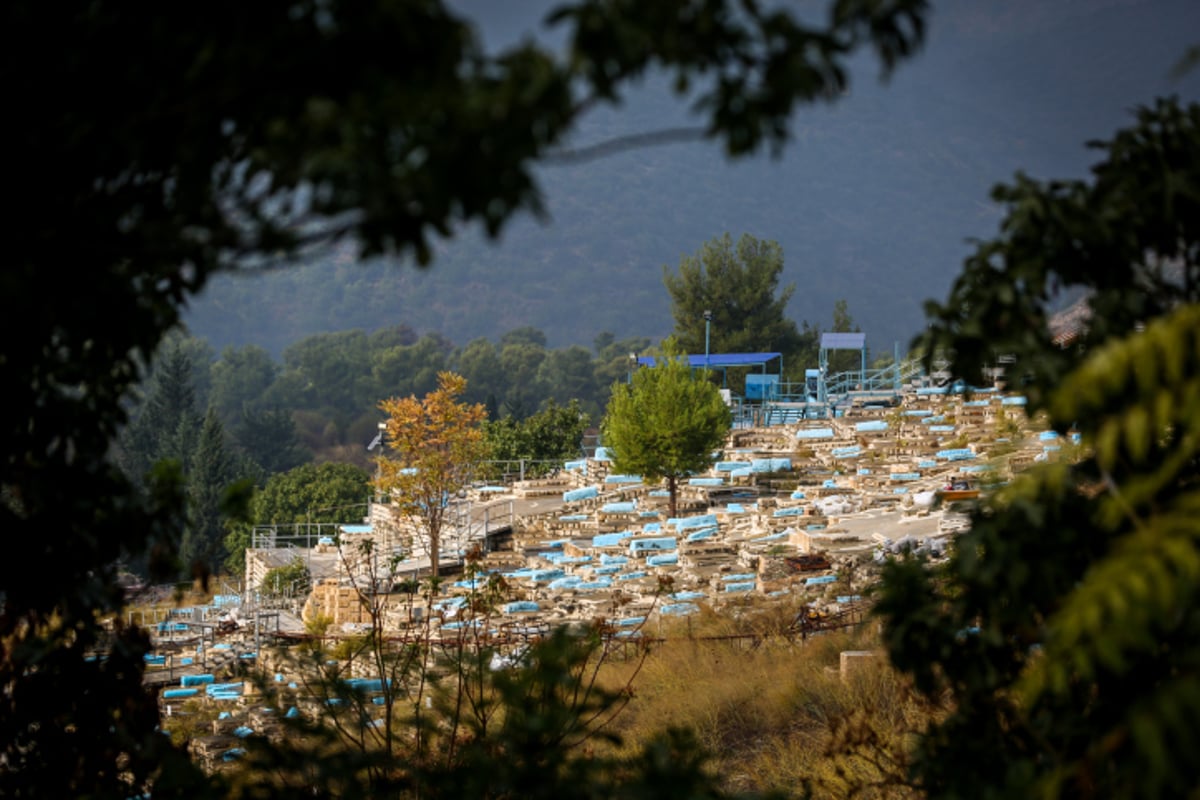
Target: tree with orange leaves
{"x":435,"y":446}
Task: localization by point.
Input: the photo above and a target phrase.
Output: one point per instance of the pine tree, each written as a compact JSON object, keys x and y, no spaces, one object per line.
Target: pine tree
{"x":738,"y":285}
{"x":212,"y":469}
{"x":270,"y":440}
{"x":167,"y":425}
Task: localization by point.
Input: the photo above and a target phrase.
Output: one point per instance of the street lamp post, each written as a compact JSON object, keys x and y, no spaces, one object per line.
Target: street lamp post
{"x":707,"y":326}
{"x":378,"y":442}
{"x":633,"y":362}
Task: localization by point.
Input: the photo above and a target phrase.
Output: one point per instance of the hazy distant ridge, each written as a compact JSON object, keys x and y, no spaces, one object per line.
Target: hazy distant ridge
{"x":873,"y":202}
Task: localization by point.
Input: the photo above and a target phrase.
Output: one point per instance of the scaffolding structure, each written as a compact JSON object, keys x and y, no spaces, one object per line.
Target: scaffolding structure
{"x":841,"y":341}
{"x":769,"y":400}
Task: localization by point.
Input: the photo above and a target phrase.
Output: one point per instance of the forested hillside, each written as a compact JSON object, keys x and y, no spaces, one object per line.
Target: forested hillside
{"x":873,"y":202}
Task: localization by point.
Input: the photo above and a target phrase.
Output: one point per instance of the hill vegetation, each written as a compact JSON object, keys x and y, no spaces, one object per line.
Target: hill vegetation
{"x":873,"y":201}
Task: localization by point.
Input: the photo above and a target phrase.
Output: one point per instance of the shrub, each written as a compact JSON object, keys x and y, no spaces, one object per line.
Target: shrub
{"x":292,"y":578}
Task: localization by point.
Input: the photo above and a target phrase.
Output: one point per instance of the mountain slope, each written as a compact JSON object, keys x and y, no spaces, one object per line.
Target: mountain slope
{"x":874,"y":200}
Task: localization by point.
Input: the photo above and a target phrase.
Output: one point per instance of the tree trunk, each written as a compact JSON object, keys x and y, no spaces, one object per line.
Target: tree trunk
{"x":672,"y":487}
{"x":434,"y":554}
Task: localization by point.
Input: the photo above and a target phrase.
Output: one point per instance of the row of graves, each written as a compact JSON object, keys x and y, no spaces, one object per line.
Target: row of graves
{"x":783,"y":512}
{"x":798,"y":513}
{"x":610,"y":551}
{"x":235,"y":706}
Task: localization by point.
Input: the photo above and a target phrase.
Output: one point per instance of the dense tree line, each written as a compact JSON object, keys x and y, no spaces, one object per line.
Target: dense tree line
{"x":320,"y":400}
{"x":243,"y":418}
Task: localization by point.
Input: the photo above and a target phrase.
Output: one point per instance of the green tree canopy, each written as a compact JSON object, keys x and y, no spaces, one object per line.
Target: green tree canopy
{"x":526,"y":334}
{"x":332,"y":371}
{"x":521,"y":361}
{"x":569,"y":375}
{"x":1065,"y":628}
{"x":327,"y":492}
{"x":270,"y":441}
{"x":392,"y":336}
{"x":738,"y":284}
{"x":665,"y":423}
{"x":479,"y":363}
{"x":331,"y":492}
{"x":553,"y":434}
{"x":240,"y":380}
{"x":291,"y":579}
{"x":613,"y":362}
{"x":410,"y":368}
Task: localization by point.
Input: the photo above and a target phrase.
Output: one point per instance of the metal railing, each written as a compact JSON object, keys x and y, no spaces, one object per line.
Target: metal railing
{"x":519,"y":469}
{"x":292,"y":534}
{"x":467,"y":523}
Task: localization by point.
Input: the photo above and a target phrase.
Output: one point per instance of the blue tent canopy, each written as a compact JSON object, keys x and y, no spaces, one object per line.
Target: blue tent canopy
{"x":721,"y":360}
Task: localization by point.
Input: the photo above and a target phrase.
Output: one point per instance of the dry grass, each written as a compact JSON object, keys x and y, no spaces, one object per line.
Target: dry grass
{"x":777,"y":716}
